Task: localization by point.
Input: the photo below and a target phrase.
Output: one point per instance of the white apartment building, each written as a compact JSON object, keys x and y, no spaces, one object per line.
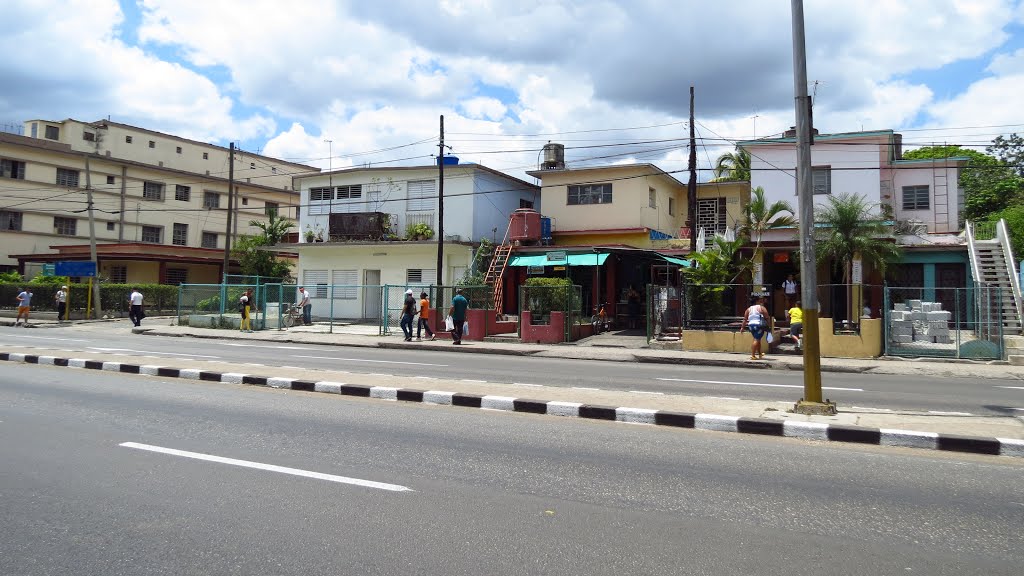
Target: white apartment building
{"x":160,"y":201}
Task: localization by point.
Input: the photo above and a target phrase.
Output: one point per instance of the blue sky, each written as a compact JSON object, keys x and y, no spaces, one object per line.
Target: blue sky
{"x":509,"y":76}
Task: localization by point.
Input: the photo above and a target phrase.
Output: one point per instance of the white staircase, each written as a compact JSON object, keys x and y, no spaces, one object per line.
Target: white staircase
{"x":993,"y":266}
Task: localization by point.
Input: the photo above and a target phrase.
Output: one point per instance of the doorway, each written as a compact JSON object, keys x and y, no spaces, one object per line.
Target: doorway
{"x":371,"y":294}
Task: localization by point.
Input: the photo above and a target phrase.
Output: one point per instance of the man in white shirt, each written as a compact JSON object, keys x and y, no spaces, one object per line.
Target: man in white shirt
{"x":62,"y":303}
{"x":789,"y":286}
{"x":307,"y":307}
{"x":135,"y":314}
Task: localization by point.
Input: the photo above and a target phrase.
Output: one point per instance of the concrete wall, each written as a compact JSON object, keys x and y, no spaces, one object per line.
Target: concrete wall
{"x":552,"y":333}
{"x":721,"y":341}
{"x":867,"y":344}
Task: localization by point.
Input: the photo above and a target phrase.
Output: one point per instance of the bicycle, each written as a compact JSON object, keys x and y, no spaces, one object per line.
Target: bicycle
{"x":292,"y":316}
{"x":599,"y":320}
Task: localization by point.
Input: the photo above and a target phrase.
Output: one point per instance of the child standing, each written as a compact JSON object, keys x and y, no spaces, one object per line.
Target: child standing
{"x":424,"y":321}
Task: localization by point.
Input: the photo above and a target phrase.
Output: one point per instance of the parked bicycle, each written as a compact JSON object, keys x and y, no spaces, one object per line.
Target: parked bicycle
{"x":600,"y":320}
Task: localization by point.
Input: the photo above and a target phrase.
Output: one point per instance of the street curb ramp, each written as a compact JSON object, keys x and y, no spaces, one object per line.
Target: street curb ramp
{"x":715,"y":422}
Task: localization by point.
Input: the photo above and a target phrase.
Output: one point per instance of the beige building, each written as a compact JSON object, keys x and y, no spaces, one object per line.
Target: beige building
{"x":160,"y":201}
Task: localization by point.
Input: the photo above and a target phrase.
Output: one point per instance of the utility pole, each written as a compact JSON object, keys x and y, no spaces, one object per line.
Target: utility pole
{"x":691,"y":185}
{"x":440,"y":206}
{"x":92,"y":241}
{"x":330,"y":185}
{"x":811,"y":403}
{"x":231,"y":193}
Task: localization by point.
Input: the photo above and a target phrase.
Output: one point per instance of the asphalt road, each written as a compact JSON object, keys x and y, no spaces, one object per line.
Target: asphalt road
{"x":487,"y":493}
{"x":957,"y":396}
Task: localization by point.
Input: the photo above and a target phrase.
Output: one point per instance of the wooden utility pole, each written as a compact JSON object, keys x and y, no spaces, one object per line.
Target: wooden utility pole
{"x":812,"y":401}
{"x":231,"y":195}
{"x":691,"y":185}
{"x":440,"y":207}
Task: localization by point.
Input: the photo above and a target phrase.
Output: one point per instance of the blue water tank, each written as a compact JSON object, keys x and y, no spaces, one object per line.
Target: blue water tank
{"x":449,"y":160}
{"x":545,"y":230}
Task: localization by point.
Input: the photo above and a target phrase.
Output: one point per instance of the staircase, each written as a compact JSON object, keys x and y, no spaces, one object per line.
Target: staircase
{"x":497,"y":269}
{"x":992,"y":266}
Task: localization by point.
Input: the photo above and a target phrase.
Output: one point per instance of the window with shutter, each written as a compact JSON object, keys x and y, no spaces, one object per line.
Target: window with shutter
{"x":421,"y":195}
{"x":345,"y":284}
{"x":821,"y":179}
{"x":315,"y":282}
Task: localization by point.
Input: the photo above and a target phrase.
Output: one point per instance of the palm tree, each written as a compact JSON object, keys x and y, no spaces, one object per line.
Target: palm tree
{"x":760,"y":217}
{"x":849,"y":227}
{"x":274,"y":229}
{"x":733,"y":166}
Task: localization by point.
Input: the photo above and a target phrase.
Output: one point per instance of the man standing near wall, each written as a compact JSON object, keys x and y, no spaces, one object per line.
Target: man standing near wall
{"x":458,"y":314}
{"x":307,"y":307}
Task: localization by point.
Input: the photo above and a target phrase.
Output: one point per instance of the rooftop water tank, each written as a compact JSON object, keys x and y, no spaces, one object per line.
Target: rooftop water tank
{"x":554,"y":156}
{"x":525,"y":226}
{"x":449,"y":160}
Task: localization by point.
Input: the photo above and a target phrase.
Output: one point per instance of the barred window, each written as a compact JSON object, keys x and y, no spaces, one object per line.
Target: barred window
{"x":151,"y":234}
{"x":916,"y":198}
{"x":152,"y":191}
{"x":67,"y":177}
{"x":182,"y":193}
{"x":211,"y":200}
{"x":209,"y":240}
{"x":590,"y":194}
{"x":12,"y":169}
{"x":119,"y":274}
{"x":177,"y":276}
{"x":180,"y":235}
{"x":65,"y":226}
{"x":10,"y":220}
{"x":271,"y":208}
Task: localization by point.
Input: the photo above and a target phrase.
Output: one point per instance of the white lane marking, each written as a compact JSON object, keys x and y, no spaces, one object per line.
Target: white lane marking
{"x":941,"y":413}
{"x":475,"y":381}
{"x":149,"y":352}
{"x":1011,"y":387}
{"x":1021,"y":409}
{"x":251,"y":364}
{"x":721,"y":398}
{"x":866,"y":409}
{"x":528,"y":385}
{"x":584,"y":388}
{"x":268,"y":467}
{"x":374,"y":361}
{"x":292,"y":367}
{"x":256,"y":346}
{"x":757,"y":384}
{"x":644,"y":392}
{"x":378,"y":374}
{"x":423,"y":378}
{"x":52,"y":338}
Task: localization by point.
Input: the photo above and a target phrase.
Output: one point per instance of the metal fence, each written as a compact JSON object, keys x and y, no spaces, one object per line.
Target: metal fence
{"x":332,"y":306}
{"x":216,"y":305}
{"x":847,"y":305}
{"x":541,"y":301}
{"x":703,"y":306}
{"x":479,"y":297}
{"x":944,"y":322}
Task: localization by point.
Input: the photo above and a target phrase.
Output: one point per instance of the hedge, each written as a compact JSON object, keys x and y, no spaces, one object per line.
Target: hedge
{"x":158,"y":298}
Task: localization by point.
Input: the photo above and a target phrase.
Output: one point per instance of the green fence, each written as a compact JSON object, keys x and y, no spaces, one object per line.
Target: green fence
{"x":944,"y":322}
{"x":541,"y":301}
{"x":393,"y":296}
{"x":216,"y":305}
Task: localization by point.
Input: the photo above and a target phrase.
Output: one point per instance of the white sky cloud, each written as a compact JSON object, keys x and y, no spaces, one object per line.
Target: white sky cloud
{"x":507,"y":75}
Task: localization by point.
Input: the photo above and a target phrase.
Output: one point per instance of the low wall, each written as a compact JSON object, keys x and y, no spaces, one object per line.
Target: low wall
{"x":867,"y":344}
{"x":552,"y":333}
{"x":721,"y":341}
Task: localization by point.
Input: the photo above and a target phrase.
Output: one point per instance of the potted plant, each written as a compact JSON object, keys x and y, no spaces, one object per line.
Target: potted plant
{"x":308,"y":234}
{"x":419,"y":231}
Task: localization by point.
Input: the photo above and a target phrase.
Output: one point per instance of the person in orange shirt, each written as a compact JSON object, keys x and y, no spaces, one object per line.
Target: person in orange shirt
{"x":424,"y":321}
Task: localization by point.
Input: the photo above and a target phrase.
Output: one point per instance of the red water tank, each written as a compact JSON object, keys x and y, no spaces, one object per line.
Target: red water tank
{"x":525,"y":227}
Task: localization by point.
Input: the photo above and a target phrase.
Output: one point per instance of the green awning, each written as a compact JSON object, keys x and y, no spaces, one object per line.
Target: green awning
{"x":679,"y":261}
{"x":574,"y":260}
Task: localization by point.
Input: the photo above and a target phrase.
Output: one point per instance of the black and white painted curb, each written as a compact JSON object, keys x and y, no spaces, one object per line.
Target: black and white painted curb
{"x":715,"y":422}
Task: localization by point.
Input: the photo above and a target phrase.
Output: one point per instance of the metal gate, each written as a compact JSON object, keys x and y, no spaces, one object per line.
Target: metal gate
{"x":943,"y":322}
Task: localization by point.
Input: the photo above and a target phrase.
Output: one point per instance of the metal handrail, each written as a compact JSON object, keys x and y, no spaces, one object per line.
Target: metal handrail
{"x":972,"y":253}
{"x":1003,"y":235}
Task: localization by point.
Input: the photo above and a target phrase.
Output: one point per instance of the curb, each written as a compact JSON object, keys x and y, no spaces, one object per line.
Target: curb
{"x":714,"y":422}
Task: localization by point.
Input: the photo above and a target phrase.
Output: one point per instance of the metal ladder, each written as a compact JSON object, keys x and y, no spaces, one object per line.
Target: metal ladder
{"x":496,"y":270}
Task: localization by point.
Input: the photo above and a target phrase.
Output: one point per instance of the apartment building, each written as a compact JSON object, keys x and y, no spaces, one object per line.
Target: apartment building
{"x":160,"y":202}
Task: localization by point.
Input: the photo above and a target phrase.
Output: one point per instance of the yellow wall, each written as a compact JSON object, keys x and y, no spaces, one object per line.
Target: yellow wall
{"x":720,"y":341}
{"x":867,"y":344}
{"x":639,"y":240}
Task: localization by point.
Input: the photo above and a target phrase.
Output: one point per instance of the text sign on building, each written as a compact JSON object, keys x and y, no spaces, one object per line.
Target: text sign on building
{"x":556,"y":256}
{"x":535,"y":270}
{"x":857,"y":272}
{"x":75,"y":269}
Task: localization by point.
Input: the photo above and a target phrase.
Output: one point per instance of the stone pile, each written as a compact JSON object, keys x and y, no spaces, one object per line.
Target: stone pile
{"x":917,"y":321}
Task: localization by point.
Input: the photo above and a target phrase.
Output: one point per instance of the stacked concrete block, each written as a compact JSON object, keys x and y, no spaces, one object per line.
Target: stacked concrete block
{"x":919,"y":321}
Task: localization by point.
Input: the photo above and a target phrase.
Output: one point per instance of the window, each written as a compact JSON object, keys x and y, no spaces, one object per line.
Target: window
{"x":319,"y":195}
{"x":354,"y":192}
{"x":206,"y":155}
{"x":915,"y":197}
{"x":345,"y":284}
{"x":273,"y":169}
{"x":65,"y":226}
{"x":52,"y":133}
{"x":420,"y":276}
{"x":252,"y":165}
{"x":527,"y":204}
{"x":67,"y":177}
{"x":10,"y":220}
{"x":245,"y":201}
{"x":152,"y":191}
{"x":127,"y":140}
{"x":151,"y":234}
{"x":110,"y":180}
{"x":35,"y":130}
{"x":422,"y":195}
{"x":821,"y":179}
{"x":182,"y":193}
{"x":176,"y":276}
{"x":211,"y":199}
{"x":12,"y":169}
{"x":315,"y":282}
{"x":671,"y":206}
{"x":90,"y":136}
{"x":209,"y":239}
{"x":179,"y":236}
{"x":110,"y":226}
{"x":178,"y":149}
{"x":590,"y":194}
{"x":652,"y":198}
{"x":118,"y":274}
{"x":152,"y":144}
{"x":271,"y":208}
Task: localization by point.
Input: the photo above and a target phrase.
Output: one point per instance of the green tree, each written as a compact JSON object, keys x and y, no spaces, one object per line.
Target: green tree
{"x":849,"y":227}
{"x":733,"y":166}
{"x":274,"y":229}
{"x":255,"y":260}
{"x":989,"y":184}
{"x":715,"y":268}
{"x":1010,"y":151}
{"x":759,"y":217}
{"x":1014,"y":216}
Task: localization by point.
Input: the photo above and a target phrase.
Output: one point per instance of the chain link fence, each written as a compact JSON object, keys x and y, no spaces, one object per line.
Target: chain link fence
{"x":541,"y":301}
{"x":393,"y":297}
{"x":217,"y":305}
{"x":944,"y":322}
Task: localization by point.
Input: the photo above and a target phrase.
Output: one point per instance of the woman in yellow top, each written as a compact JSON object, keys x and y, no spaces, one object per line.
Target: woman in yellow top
{"x":795,"y":315}
{"x":245,"y":305}
{"x":424,"y":321}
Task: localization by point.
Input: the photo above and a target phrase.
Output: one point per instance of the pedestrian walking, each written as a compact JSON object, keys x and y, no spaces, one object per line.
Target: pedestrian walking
{"x":136,"y":314}
{"x":757,"y":319}
{"x":790,"y":288}
{"x":24,"y":305}
{"x":633,"y":307}
{"x":408,"y":311}
{"x":424,"y":321}
{"x":795,"y":315}
{"x":245,"y":307}
{"x":458,"y":314}
{"x":61,"y":298}
{"x":306,"y":306}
